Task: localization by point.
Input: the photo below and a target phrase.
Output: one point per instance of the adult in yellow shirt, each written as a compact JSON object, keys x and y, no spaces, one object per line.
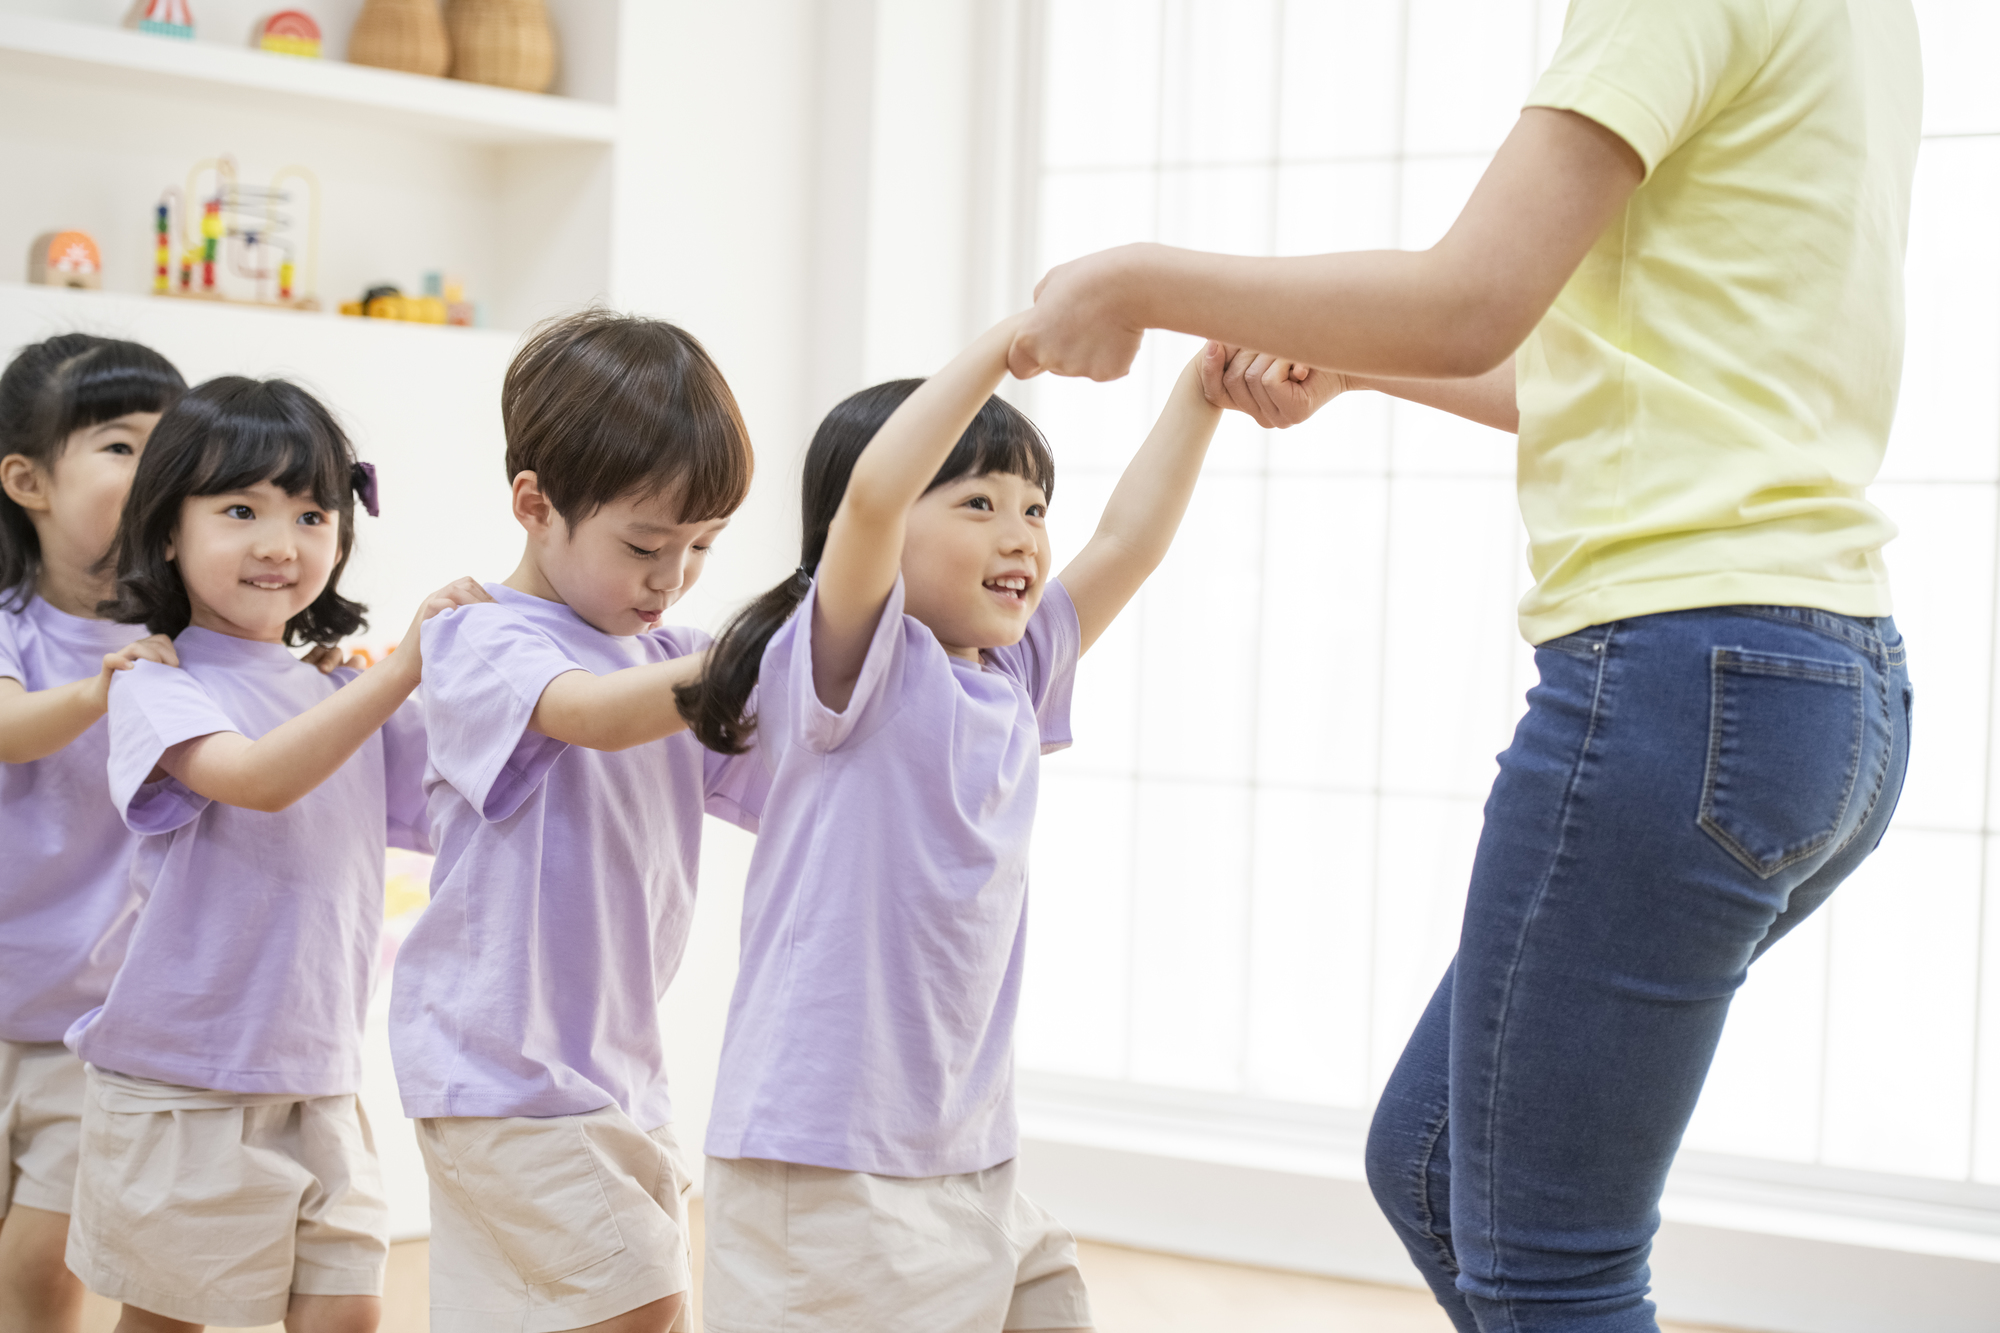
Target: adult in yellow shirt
{"x":1680,"y":280}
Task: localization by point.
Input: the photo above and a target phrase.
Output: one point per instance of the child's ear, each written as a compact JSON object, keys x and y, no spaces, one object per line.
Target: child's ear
{"x":26,"y":484}
{"x":532,"y":509}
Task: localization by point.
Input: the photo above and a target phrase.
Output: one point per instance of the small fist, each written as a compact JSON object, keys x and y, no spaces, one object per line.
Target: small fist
{"x":1273,"y":393}
{"x":330,"y":657}
{"x":153,"y":648}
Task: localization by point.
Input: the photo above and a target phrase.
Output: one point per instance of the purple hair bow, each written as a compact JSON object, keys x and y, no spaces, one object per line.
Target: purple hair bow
{"x":365,"y":489}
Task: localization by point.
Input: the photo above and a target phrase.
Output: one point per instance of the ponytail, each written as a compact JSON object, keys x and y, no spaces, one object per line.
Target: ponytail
{"x":716,"y":706}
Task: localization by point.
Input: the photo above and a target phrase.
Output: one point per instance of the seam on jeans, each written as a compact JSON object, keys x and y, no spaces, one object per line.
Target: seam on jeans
{"x":1521,"y":944}
{"x":1440,"y":1248}
{"x":1826,"y":623}
{"x":1881,"y":766}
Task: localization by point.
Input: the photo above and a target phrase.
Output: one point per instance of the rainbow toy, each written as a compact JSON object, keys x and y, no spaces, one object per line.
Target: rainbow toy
{"x":162,"y":18}
{"x":289,"y":32}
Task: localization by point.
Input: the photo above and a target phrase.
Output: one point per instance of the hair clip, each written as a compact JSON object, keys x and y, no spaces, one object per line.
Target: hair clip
{"x":362,"y":478}
{"x":807,"y":571}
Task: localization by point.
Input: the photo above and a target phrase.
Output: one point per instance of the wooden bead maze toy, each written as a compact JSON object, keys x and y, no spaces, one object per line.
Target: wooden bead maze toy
{"x":238,"y":241}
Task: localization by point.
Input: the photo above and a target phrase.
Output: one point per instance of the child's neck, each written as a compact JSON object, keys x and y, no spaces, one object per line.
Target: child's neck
{"x":528,"y":578}
{"x":73,"y":591}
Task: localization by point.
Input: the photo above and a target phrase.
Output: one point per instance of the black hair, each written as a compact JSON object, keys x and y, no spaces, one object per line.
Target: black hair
{"x":1000,"y":439}
{"x":599,"y":405}
{"x":51,"y":390}
{"x":225,"y":435}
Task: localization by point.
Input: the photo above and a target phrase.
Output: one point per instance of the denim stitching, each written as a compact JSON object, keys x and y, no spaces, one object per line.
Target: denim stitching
{"x":1427,"y":1220}
{"x":1881,"y":765}
{"x":1823,"y":622}
{"x":1705,"y":817}
{"x":1521,"y":944}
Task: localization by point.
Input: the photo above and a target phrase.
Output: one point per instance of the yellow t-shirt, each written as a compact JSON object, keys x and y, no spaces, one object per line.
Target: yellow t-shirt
{"x":1703,"y":408}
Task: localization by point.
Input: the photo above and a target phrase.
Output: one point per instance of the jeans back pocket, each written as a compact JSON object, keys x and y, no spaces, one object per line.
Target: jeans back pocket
{"x":1784,"y":746}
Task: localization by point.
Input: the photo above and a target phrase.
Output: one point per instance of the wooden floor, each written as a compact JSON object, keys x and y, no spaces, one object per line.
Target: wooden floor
{"x":1131,"y":1291}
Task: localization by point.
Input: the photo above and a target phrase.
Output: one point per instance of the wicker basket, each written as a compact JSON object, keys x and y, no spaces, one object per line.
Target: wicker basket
{"x":503,"y":42}
{"x":401,"y":34}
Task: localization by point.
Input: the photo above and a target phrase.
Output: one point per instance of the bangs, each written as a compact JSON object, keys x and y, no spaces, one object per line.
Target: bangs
{"x":115,"y":378}
{"x":1000,"y":439}
{"x":240,"y":432}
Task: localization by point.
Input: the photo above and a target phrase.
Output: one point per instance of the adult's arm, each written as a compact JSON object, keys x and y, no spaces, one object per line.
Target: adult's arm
{"x":1454,"y":311}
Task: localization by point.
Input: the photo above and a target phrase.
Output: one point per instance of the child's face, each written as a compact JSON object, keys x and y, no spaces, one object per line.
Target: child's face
{"x":252,"y":559}
{"x":621,"y":568}
{"x":975,"y":560}
{"x":78,"y":499}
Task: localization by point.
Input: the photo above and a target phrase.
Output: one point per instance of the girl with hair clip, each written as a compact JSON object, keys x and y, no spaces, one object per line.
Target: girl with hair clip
{"x":75,"y":414}
{"x":908,"y":678}
{"x":228,"y":1174}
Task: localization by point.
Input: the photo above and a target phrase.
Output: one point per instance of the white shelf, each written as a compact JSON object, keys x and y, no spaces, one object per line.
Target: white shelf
{"x":97,"y":54}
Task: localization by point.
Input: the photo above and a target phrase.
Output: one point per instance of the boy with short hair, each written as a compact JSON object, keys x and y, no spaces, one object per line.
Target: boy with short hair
{"x":566,"y":800}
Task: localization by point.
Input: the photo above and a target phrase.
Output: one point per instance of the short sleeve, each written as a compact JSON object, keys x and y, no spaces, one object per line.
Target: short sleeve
{"x":484,"y":670}
{"x":1044,"y":663}
{"x":788,"y":670}
{"x":735,"y":786}
{"x":1654,"y":73}
{"x":11,"y":667}
{"x":404,"y":756}
{"x":154,"y":708}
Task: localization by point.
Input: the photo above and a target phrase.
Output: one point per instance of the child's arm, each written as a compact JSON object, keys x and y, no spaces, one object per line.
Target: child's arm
{"x":34,"y":724}
{"x":290,"y":760}
{"x":1278,"y":393}
{"x":617,"y":710}
{"x":1145,"y":508}
{"x":864,"y":546}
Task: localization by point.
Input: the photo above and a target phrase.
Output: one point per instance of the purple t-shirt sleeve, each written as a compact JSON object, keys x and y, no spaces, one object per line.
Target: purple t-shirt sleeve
{"x":404,"y":755}
{"x":10,"y":649}
{"x":153,"y":708}
{"x":812,"y":723}
{"x":484,"y":670}
{"x":735,"y":786}
{"x":1044,"y":663}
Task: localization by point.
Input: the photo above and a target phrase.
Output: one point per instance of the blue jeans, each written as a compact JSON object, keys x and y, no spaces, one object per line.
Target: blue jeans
{"x":1684,"y":789}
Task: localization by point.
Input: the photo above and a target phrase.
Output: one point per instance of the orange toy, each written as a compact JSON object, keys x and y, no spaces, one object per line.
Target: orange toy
{"x":65,"y":259}
{"x":289,"y":32}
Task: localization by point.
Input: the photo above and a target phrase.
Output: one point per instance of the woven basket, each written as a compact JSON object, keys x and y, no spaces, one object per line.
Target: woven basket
{"x":507,"y":43}
{"x":401,"y":34}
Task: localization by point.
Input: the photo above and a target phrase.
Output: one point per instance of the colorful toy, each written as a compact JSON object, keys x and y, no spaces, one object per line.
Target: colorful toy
{"x":162,"y":18}
{"x":65,"y":259}
{"x":443,"y":302}
{"x":289,"y":32}
{"x":244,"y":236}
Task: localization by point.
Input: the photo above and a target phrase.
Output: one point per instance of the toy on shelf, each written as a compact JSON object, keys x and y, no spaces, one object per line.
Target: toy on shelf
{"x":443,"y":302}
{"x":401,"y":34}
{"x":289,"y":32}
{"x":162,"y":18}
{"x":65,"y":259}
{"x":238,"y":241}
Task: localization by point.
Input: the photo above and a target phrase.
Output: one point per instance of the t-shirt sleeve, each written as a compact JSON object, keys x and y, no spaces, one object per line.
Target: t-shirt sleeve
{"x":1653,"y":73}
{"x":404,"y":755}
{"x":11,"y":667}
{"x":735,"y":786}
{"x":1044,"y":662}
{"x":153,"y":708}
{"x":787,"y":672}
{"x":484,"y":670}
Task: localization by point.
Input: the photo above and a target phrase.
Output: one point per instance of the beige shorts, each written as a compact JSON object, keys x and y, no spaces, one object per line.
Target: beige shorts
{"x":41,"y":1115}
{"x":553,"y":1223}
{"x":214,"y":1207}
{"x":805,"y":1247}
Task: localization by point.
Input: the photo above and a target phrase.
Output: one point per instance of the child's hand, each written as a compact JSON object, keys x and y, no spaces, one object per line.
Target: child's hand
{"x":153,"y":648}
{"x":329,"y":657}
{"x":1275,"y":394}
{"x":409,"y":654}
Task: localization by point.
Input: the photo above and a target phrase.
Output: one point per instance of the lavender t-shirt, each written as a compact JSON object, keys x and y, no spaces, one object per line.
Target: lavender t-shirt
{"x":872,"y":1027}
{"x":66,"y":899}
{"x":254,"y":952}
{"x":564,"y":884}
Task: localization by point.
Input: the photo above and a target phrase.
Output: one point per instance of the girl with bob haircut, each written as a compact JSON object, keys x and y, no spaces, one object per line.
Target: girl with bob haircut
{"x":228,"y":1175}
{"x":75,"y":414}
{"x":908,"y":679}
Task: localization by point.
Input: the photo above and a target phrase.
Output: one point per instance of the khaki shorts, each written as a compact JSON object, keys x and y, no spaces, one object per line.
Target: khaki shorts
{"x":41,"y":1116}
{"x":553,"y":1223}
{"x":214,"y":1207}
{"x":805,"y":1247}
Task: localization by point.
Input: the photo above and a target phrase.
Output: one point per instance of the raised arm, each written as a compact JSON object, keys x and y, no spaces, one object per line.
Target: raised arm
{"x":617,"y":710}
{"x":864,"y":545}
{"x":1145,"y":508}
{"x":285,"y":763}
{"x":34,"y":724}
{"x":1279,"y":393}
{"x":1453,"y":311}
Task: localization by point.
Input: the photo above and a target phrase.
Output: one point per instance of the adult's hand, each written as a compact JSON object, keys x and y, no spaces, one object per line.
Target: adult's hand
{"x":1082,"y":322}
{"x":1272,"y":392}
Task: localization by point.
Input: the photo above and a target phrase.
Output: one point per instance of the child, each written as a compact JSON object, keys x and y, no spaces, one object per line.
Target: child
{"x":228,"y":1175}
{"x":861,"y":1170}
{"x":75,"y":413}
{"x":525,"y":1018}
